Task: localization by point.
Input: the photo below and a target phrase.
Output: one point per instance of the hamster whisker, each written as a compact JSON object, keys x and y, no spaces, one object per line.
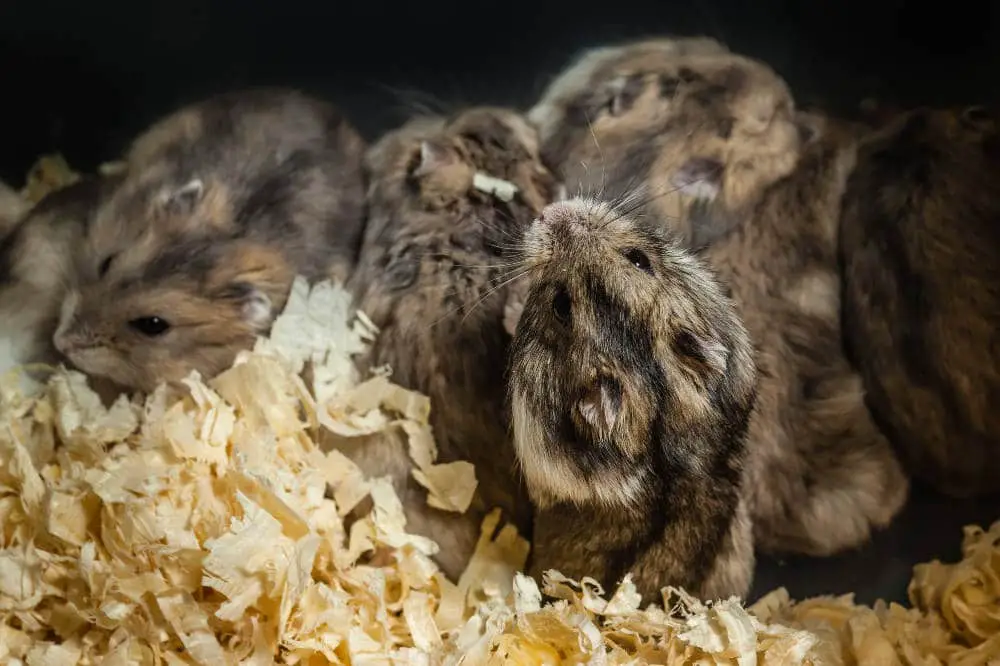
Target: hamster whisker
{"x":495,"y":289}
{"x":600,"y":152}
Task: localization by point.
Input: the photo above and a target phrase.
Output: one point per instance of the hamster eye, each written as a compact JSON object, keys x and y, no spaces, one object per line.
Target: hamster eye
{"x":105,"y":265}
{"x":562,"y":306}
{"x":150,"y":326}
{"x":638,"y":259}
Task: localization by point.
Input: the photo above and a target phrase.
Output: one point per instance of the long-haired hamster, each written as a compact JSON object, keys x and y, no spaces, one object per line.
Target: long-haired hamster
{"x":920,"y":247}
{"x":38,"y":264}
{"x":223,"y":202}
{"x":631,"y":381}
{"x":603,"y":119}
{"x":448,"y":197}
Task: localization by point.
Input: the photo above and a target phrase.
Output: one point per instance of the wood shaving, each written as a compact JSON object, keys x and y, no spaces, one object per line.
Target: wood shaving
{"x":205,"y":525}
{"x":501,"y":189}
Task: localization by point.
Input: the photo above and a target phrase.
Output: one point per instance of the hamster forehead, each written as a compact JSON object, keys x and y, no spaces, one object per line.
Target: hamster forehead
{"x":587,"y":248}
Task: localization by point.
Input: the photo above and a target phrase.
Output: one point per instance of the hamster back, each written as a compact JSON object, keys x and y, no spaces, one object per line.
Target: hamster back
{"x":447,"y":198}
{"x":920,"y":246}
{"x":631,"y":383}
{"x":222,"y":204}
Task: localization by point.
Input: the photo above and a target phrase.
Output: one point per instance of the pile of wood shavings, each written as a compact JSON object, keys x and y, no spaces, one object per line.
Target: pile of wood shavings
{"x":207,"y":527}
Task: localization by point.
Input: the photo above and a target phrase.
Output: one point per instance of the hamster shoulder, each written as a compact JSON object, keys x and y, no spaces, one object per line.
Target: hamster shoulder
{"x":631,"y":382}
{"x":920,"y":246}
{"x":629,"y":121}
{"x":448,"y":198}
{"x":38,"y":264}
{"x":221,"y":204}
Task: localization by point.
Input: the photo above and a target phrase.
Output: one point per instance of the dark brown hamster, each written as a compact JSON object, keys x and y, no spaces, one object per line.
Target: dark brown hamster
{"x":222,"y":204}
{"x":603,"y":119}
{"x":431,"y":276}
{"x":631,"y":382}
{"x":38,"y":265}
{"x":920,"y":247}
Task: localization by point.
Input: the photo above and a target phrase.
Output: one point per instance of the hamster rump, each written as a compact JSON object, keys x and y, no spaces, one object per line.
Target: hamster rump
{"x":631,"y":381}
{"x":221,"y":205}
{"x":920,"y":246}
{"x":37,"y":267}
{"x":673,"y":127}
{"x":431,"y":275}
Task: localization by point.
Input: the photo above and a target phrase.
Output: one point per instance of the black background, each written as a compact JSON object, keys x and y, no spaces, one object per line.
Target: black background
{"x":82,"y":77}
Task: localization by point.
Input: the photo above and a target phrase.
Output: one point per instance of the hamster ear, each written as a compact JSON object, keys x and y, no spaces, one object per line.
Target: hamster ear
{"x":601,"y":405}
{"x":705,"y":351}
{"x":182,"y":200}
{"x":700,"y":178}
{"x":256,"y":310}
{"x":432,"y":157}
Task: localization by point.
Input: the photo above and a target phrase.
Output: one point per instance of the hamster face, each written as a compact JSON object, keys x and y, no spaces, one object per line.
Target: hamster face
{"x":625,"y":342}
{"x":37,"y":267}
{"x":157,"y":299}
{"x":711,"y":125}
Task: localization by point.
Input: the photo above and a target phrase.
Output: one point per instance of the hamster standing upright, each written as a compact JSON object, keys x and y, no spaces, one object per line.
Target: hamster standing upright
{"x":222,"y":204}
{"x":38,"y":263}
{"x":762,"y":184}
{"x":447,"y":199}
{"x":920,"y":247}
{"x":631,"y":382}
{"x":602,"y":122}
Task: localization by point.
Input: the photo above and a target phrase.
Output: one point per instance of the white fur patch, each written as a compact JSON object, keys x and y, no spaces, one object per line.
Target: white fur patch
{"x":257,"y":310}
{"x":501,"y":189}
{"x":551,"y":477}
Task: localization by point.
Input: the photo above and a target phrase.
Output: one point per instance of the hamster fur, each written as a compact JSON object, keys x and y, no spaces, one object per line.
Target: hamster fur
{"x":821,"y":474}
{"x":920,"y":247}
{"x":223,"y":202}
{"x":431,"y":276}
{"x":38,"y":265}
{"x":602,"y":122}
{"x":631,"y":382}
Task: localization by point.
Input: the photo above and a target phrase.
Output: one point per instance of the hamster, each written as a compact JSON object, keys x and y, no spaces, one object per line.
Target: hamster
{"x":602,"y":123}
{"x":222,"y":204}
{"x":12,"y":209}
{"x":38,"y":265}
{"x":761,"y":208}
{"x":920,"y":247}
{"x":431,"y":275}
{"x":631,"y":384}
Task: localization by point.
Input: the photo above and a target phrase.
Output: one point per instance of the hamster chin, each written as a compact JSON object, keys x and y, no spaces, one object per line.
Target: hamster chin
{"x":139,"y":337}
{"x":627,"y":359}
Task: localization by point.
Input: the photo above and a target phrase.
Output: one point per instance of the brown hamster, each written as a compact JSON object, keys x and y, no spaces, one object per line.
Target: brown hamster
{"x":222,"y":204}
{"x":761,"y":207}
{"x":38,"y":265}
{"x":920,"y":247}
{"x":603,"y":119}
{"x":822,"y":474}
{"x":631,"y":382}
{"x":431,"y":276}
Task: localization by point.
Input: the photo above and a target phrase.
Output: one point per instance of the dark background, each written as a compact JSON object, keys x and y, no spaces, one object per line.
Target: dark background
{"x":82,"y":77}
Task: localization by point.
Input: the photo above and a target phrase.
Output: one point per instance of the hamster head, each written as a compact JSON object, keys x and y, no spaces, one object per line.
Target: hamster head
{"x":432,"y":163}
{"x":628,"y":360}
{"x":160,"y":297}
{"x":729,"y":120}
